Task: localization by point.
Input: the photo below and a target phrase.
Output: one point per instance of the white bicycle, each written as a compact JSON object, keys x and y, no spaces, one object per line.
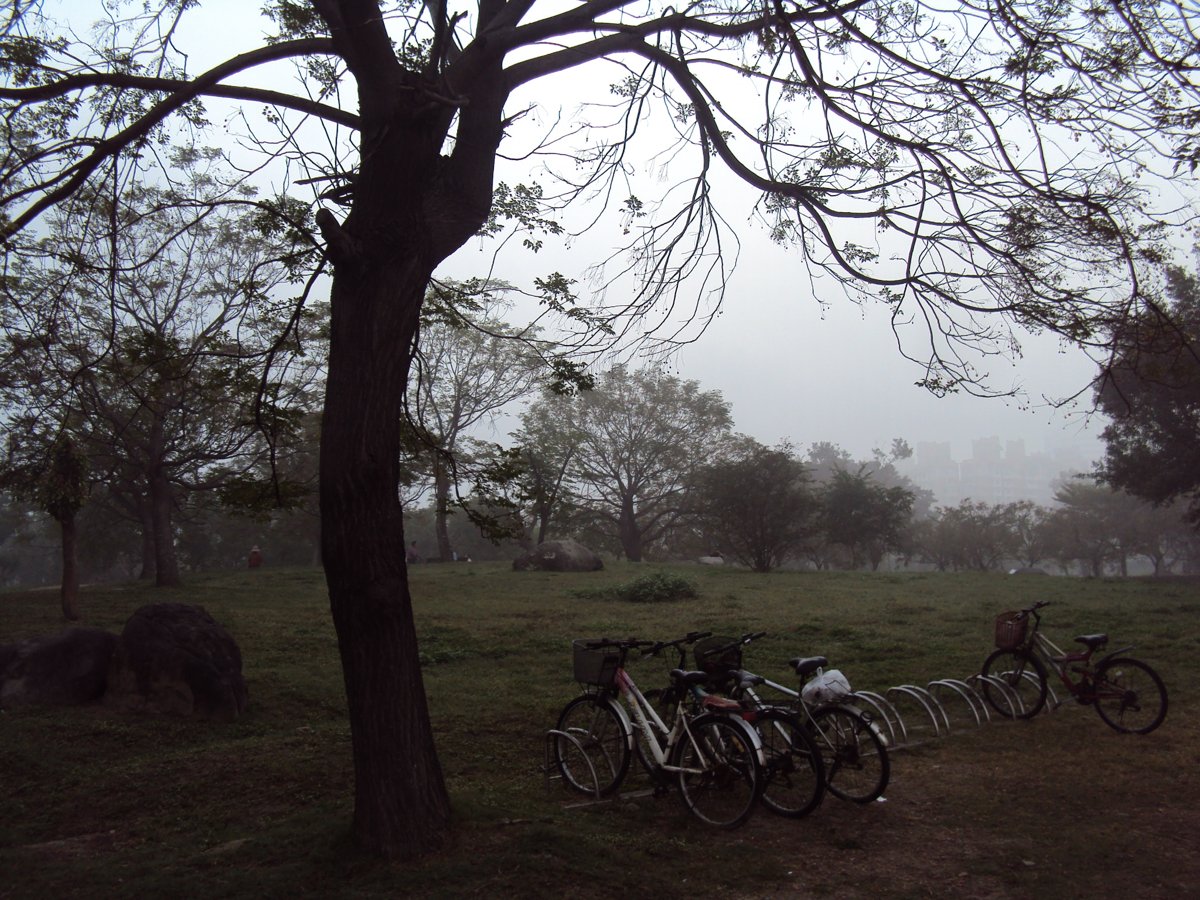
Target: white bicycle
{"x":713,"y":756}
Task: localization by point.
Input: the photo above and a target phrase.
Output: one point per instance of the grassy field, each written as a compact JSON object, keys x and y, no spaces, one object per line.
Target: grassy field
{"x":94,"y":804}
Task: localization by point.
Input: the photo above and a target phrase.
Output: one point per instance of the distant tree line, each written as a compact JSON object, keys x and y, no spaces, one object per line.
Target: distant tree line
{"x":143,"y":439}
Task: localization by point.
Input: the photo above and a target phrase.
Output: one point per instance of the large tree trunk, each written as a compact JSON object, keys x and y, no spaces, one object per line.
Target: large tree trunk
{"x":147,"y":521}
{"x":441,"y":508}
{"x":166,"y":562}
{"x":628,"y":533}
{"x":69,"y":589}
{"x":401,"y":808}
{"x":411,"y":209}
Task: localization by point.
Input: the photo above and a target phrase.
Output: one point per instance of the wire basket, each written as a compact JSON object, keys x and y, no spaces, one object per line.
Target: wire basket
{"x":714,"y":655}
{"x":595,"y":666}
{"x":1010,"y":629}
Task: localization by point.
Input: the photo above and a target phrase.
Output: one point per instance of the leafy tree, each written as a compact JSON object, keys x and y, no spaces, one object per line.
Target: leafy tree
{"x":468,"y":367}
{"x":912,"y":118}
{"x":547,"y":450}
{"x":1103,"y":527}
{"x":826,"y":460}
{"x":864,"y":517}
{"x":51,"y":472}
{"x":971,"y":535}
{"x":638,"y":438}
{"x":1033,"y":539}
{"x":756,"y":504}
{"x":164,"y":378}
{"x":26,"y":557}
{"x":1150,"y":389}
{"x":1098,"y":525}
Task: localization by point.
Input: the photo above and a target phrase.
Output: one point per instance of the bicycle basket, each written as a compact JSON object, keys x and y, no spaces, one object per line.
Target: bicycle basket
{"x":1010,"y":629}
{"x":595,"y":666}
{"x":714,"y":655}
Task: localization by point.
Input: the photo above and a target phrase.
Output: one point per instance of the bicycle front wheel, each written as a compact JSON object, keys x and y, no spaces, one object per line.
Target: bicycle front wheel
{"x":592,"y":749}
{"x":794,"y":774}
{"x":720,"y":779}
{"x":857,"y":767}
{"x":1021,"y":692}
{"x":1130,"y":696}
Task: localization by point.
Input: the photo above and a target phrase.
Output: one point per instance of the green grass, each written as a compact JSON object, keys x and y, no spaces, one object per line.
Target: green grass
{"x":94,"y":804}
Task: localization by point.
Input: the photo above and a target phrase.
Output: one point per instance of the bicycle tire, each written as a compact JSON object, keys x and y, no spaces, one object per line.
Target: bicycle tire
{"x":721,"y":779}
{"x":794,"y":774}
{"x":857,"y":766}
{"x":599,"y":735}
{"x":1012,"y":667}
{"x":1129,"y":695}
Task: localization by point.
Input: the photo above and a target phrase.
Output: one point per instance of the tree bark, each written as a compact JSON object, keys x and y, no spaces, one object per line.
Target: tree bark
{"x":411,"y":208}
{"x":69,"y":589}
{"x":166,"y":562}
{"x":401,"y":808}
{"x":147,"y":524}
{"x":441,"y":506}
{"x":631,"y":537}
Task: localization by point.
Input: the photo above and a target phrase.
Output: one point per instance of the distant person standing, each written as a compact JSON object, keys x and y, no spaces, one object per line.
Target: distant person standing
{"x":412,"y":555}
{"x":256,"y":557}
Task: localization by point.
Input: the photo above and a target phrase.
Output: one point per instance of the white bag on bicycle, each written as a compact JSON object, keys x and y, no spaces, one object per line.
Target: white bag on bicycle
{"x":827,"y":687}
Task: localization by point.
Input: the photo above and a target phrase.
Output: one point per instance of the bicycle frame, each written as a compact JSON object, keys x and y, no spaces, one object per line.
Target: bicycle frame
{"x":647,"y":719}
{"x":661,"y":741}
{"x":1065,"y":663}
{"x":803,"y":704}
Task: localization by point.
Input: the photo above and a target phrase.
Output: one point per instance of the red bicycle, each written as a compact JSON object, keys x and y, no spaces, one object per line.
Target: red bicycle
{"x":1129,"y":695}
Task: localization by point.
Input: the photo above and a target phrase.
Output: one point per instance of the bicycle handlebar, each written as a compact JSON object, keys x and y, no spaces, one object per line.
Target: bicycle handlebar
{"x":620,"y":643}
{"x":656,"y":647}
{"x":1036,"y":606}
{"x":744,"y":639}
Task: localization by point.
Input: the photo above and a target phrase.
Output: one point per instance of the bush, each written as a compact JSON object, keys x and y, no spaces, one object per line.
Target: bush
{"x":659,"y":587}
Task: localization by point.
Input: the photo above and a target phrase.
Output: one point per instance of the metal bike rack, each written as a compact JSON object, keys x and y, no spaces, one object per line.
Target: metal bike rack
{"x":1005,"y":690}
{"x":887,"y":713}
{"x":552,"y":737}
{"x":974,"y":702}
{"x":926,"y":701}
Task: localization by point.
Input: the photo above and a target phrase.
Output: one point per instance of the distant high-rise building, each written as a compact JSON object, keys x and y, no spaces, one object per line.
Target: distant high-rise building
{"x":997,"y":472}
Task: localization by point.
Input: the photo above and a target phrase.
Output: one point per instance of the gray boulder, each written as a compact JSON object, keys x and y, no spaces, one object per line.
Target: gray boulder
{"x":66,"y":669}
{"x":174,"y":659}
{"x":559,"y":556}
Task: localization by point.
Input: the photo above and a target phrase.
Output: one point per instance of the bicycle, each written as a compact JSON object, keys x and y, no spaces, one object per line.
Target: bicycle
{"x":1128,"y":695}
{"x":854,"y":752}
{"x":715,"y":757}
{"x":793,"y":767}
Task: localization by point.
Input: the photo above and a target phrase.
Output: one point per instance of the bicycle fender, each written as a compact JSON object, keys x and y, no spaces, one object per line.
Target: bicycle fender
{"x":867,"y":717}
{"x":859,"y":713}
{"x":626,"y":722}
{"x":749,"y":732}
{"x":1107,"y":656}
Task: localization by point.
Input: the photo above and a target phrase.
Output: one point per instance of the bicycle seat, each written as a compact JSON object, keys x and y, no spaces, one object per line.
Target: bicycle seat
{"x":746,"y":679}
{"x":1092,"y":641}
{"x":806,"y":664}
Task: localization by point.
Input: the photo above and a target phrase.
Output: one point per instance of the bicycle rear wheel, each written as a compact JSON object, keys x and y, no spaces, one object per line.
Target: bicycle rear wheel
{"x":857,"y":767}
{"x":1130,"y":697}
{"x":721,"y":779}
{"x":794,"y":774}
{"x":592,"y":753}
{"x":1020,"y":672}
